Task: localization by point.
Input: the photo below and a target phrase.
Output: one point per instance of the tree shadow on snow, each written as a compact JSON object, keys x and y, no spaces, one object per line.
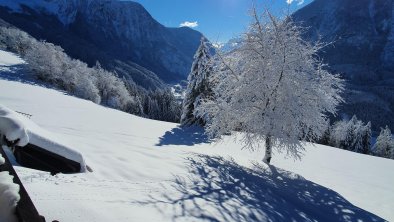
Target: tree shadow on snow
{"x":17,"y":73}
{"x":188,"y":136}
{"x":221,"y":190}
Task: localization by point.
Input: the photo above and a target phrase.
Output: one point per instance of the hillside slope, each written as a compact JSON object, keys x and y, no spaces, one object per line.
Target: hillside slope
{"x":122,"y":35}
{"x":145,"y":170}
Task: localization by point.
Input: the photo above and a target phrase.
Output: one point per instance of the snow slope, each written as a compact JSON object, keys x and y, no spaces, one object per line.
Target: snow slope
{"x":145,"y":170}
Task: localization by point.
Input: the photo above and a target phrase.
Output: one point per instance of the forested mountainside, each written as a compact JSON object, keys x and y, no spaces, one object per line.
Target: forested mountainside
{"x":362,"y":51}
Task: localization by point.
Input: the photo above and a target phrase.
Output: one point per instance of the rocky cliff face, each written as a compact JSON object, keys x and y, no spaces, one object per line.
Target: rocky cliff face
{"x":110,"y":31}
{"x":362,"y":51}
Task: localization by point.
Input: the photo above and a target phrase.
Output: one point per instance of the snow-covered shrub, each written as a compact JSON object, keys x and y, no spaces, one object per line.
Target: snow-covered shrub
{"x":272,"y":88}
{"x":15,"y":40}
{"x":46,"y":61}
{"x":50,"y":64}
{"x":85,"y":88}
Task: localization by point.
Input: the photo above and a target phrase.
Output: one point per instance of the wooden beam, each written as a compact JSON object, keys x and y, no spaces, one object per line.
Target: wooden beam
{"x":35,"y":157}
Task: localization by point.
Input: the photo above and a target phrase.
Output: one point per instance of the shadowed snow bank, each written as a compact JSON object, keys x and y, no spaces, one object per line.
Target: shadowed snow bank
{"x":221,"y":190}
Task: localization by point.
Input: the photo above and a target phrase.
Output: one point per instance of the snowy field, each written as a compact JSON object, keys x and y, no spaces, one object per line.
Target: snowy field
{"x":145,"y":170}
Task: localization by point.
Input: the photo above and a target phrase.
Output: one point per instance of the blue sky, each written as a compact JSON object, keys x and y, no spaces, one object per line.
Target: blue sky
{"x":219,"y":20}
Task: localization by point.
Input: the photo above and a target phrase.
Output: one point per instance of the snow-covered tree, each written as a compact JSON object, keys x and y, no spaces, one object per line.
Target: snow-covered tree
{"x":199,"y":87}
{"x":354,"y":137}
{"x":384,"y":146}
{"x":272,"y":88}
{"x":351,"y":135}
{"x":338,"y":134}
{"x":112,"y":89}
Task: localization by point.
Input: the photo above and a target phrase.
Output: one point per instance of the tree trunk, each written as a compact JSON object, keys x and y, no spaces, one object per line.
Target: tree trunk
{"x":268,"y":150}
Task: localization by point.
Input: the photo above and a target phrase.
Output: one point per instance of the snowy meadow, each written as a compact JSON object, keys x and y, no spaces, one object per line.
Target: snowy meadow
{"x":156,"y":171}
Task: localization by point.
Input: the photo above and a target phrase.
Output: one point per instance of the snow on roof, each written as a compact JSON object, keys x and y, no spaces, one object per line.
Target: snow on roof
{"x":12,"y":127}
{"x":15,"y":126}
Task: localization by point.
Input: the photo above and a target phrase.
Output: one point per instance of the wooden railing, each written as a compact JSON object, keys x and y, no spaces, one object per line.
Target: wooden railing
{"x":25,"y":210}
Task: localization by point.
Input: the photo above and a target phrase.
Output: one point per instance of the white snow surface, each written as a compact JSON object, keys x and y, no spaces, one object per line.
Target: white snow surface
{"x":146,"y":170}
{"x":9,"y":59}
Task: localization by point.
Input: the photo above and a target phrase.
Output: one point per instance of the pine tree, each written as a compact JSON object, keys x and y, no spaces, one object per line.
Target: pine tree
{"x":348,"y":139}
{"x":325,"y":139}
{"x":198,"y":87}
{"x":355,"y":135}
{"x":366,"y":140}
{"x":384,"y":146}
